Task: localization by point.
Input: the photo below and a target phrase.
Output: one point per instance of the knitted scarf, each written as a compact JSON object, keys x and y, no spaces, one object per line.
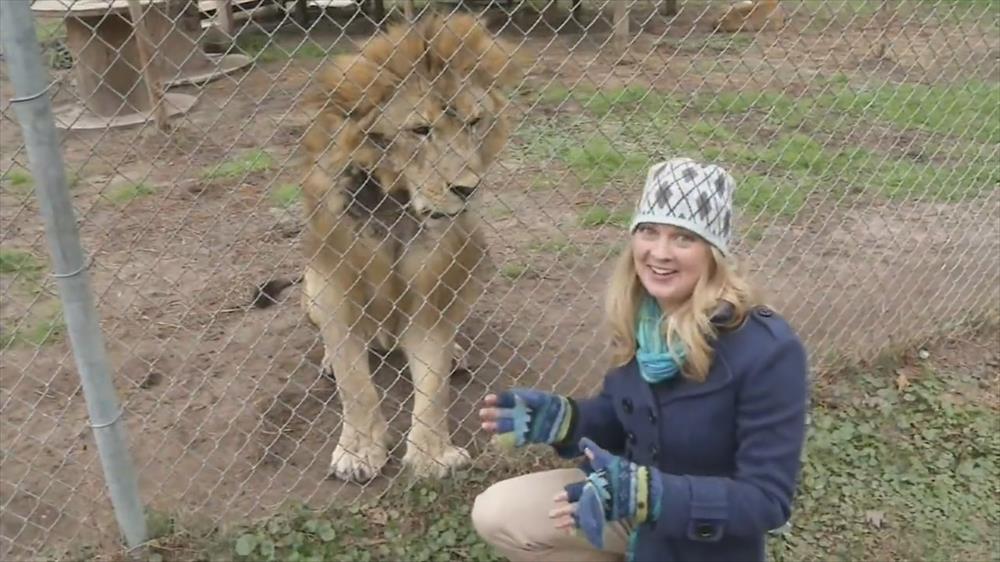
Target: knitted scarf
{"x":657,"y":363}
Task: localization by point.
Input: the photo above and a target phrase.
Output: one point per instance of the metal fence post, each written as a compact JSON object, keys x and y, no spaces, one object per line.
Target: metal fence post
{"x":34,"y":111}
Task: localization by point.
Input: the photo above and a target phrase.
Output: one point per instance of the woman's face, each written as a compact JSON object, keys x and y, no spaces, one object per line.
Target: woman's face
{"x":669,"y":262}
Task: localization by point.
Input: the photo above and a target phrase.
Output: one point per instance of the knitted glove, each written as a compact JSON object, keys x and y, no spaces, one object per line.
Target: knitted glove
{"x":531,"y":416}
{"x":615,"y":489}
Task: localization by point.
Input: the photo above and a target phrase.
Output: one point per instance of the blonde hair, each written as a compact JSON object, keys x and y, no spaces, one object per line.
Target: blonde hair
{"x":691,"y":322}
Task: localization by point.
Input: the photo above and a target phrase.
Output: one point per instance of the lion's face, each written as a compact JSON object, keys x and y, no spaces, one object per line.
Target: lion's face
{"x":419,"y":109}
{"x":435,"y":141}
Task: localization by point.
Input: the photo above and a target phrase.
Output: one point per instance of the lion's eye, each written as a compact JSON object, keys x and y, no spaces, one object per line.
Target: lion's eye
{"x":475,"y":121}
{"x":422,"y":130}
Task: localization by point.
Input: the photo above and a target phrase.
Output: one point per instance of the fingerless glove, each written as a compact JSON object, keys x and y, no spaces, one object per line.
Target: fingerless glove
{"x":531,"y":416}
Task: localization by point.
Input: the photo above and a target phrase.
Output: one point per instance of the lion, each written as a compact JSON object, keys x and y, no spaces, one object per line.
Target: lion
{"x":750,"y":15}
{"x":402,"y":135}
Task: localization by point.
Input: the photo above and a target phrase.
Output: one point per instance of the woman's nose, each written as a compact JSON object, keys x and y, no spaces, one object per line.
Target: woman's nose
{"x":662,"y":250}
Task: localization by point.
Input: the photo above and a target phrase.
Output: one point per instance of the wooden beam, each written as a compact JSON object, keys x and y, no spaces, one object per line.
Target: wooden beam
{"x":620,"y":33}
{"x":149,"y":70}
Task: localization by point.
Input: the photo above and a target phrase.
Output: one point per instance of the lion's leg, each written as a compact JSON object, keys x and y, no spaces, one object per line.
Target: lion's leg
{"x":429,"y":450}
{"x":460,"y":357}
{"x":361,"y":452}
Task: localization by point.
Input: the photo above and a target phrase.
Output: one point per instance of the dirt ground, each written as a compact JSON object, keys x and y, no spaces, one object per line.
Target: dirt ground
{"x":225,"y":408}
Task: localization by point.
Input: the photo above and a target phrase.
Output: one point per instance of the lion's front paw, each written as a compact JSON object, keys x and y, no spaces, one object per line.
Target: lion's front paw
{"x":459,"y":357}
{"x":433,"y":457}
{"x":357,"y":458}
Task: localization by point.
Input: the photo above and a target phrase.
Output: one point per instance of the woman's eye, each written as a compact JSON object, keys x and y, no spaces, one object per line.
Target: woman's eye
{"x":423,"y":130}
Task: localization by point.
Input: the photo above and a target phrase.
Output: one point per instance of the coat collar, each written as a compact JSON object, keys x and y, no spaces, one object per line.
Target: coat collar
{"x":719,"y":375}
{"x":723,"y":313}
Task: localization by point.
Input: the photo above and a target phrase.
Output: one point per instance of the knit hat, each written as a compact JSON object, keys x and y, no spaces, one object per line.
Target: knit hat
{"x":691,"y":195}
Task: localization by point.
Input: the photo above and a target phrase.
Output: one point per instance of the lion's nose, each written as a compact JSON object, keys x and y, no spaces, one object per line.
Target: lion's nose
{"x":463,"y":191}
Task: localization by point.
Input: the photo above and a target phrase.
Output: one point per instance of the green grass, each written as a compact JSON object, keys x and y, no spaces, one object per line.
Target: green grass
{"x":601,"y":216}
{"x":286,"y":195}
{"x":18,"y":262}
{"x":631,"y":99}
{"x":428,"y":521}
{"x":42,"y":325}
{"x":517,"y":270}
{"x":251,"y":162}
{"x":596,"y":162}
{"x":891,"y":471}
{"x":966,"y":118}
{"x":970,"y":111}
{"x":563,"y":247}
{"x":19,"y":179}
{"x":122,"y":194}
{"x":593,"y":162}
{"x":554,"y":94}
{"x":267,"y":49}
{"x":603,"y":102}
{"x":759,"y":194}
{"x":805,"y":150}
{"x":896,"y":474}
{"x":709,"y":45}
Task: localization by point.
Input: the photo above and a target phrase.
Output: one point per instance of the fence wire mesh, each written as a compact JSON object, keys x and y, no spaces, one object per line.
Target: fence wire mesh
{"x":863,"y":136}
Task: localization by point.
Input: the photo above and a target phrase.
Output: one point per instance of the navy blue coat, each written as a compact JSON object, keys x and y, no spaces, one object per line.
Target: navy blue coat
{"x":728,"y":449}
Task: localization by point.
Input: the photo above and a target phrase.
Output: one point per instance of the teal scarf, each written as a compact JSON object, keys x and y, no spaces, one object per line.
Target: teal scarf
{"x":656,"y":362}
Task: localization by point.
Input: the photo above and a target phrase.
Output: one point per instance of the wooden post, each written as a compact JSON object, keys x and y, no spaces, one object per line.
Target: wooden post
{"x":224,"y":18}
{"x":886,"y":15}
{"x":146,"y":54}
{"x":377,"y":11}
{"x":621,"y":25}
{"x":302,"y":9}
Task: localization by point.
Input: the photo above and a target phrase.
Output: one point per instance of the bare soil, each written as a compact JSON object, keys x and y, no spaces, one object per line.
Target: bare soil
{"x":227,"y":413}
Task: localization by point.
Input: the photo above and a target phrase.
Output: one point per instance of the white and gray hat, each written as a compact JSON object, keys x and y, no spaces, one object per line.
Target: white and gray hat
{"x":691,"y":195}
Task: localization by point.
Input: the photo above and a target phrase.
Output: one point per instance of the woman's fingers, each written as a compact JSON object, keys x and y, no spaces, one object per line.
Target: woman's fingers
{"x":561,"y":509}
{"x":562,"y":516}
{"x":565,"y":523}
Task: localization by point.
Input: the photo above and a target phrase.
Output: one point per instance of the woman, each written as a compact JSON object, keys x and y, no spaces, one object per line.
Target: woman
{"x":691,"y":449}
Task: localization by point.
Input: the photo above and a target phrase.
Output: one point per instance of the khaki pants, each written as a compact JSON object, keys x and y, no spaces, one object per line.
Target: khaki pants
{"x":513,"y":516}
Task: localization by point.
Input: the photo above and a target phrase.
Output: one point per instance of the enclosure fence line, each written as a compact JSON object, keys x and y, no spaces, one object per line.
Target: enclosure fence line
{"x":33,"y":107}
{"x":164,"y":161}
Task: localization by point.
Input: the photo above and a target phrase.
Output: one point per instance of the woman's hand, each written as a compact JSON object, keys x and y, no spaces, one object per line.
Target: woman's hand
{"x":488,"y":413}
{"x":615,"y":489}
{"x":522,"y":416}
{"x":562,"y":513}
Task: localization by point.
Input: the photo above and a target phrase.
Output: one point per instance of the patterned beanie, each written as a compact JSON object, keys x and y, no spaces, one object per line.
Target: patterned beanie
{"x":691,"y":195}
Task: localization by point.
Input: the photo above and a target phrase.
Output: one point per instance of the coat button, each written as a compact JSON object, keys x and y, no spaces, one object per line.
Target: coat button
{"x":765,"y":311}
{"x":627,"y":405}
{"x":631,"y":437}
{"x":704,"y":530}
{"x":653,"y":451}
{"x":652,"y":416}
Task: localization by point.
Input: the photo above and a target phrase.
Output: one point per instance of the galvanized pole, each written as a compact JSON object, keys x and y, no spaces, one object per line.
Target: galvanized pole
{"x":34,"y":111}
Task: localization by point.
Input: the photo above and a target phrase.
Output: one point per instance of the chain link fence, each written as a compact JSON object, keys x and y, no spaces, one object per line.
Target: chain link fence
{"x":863,"y":136}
